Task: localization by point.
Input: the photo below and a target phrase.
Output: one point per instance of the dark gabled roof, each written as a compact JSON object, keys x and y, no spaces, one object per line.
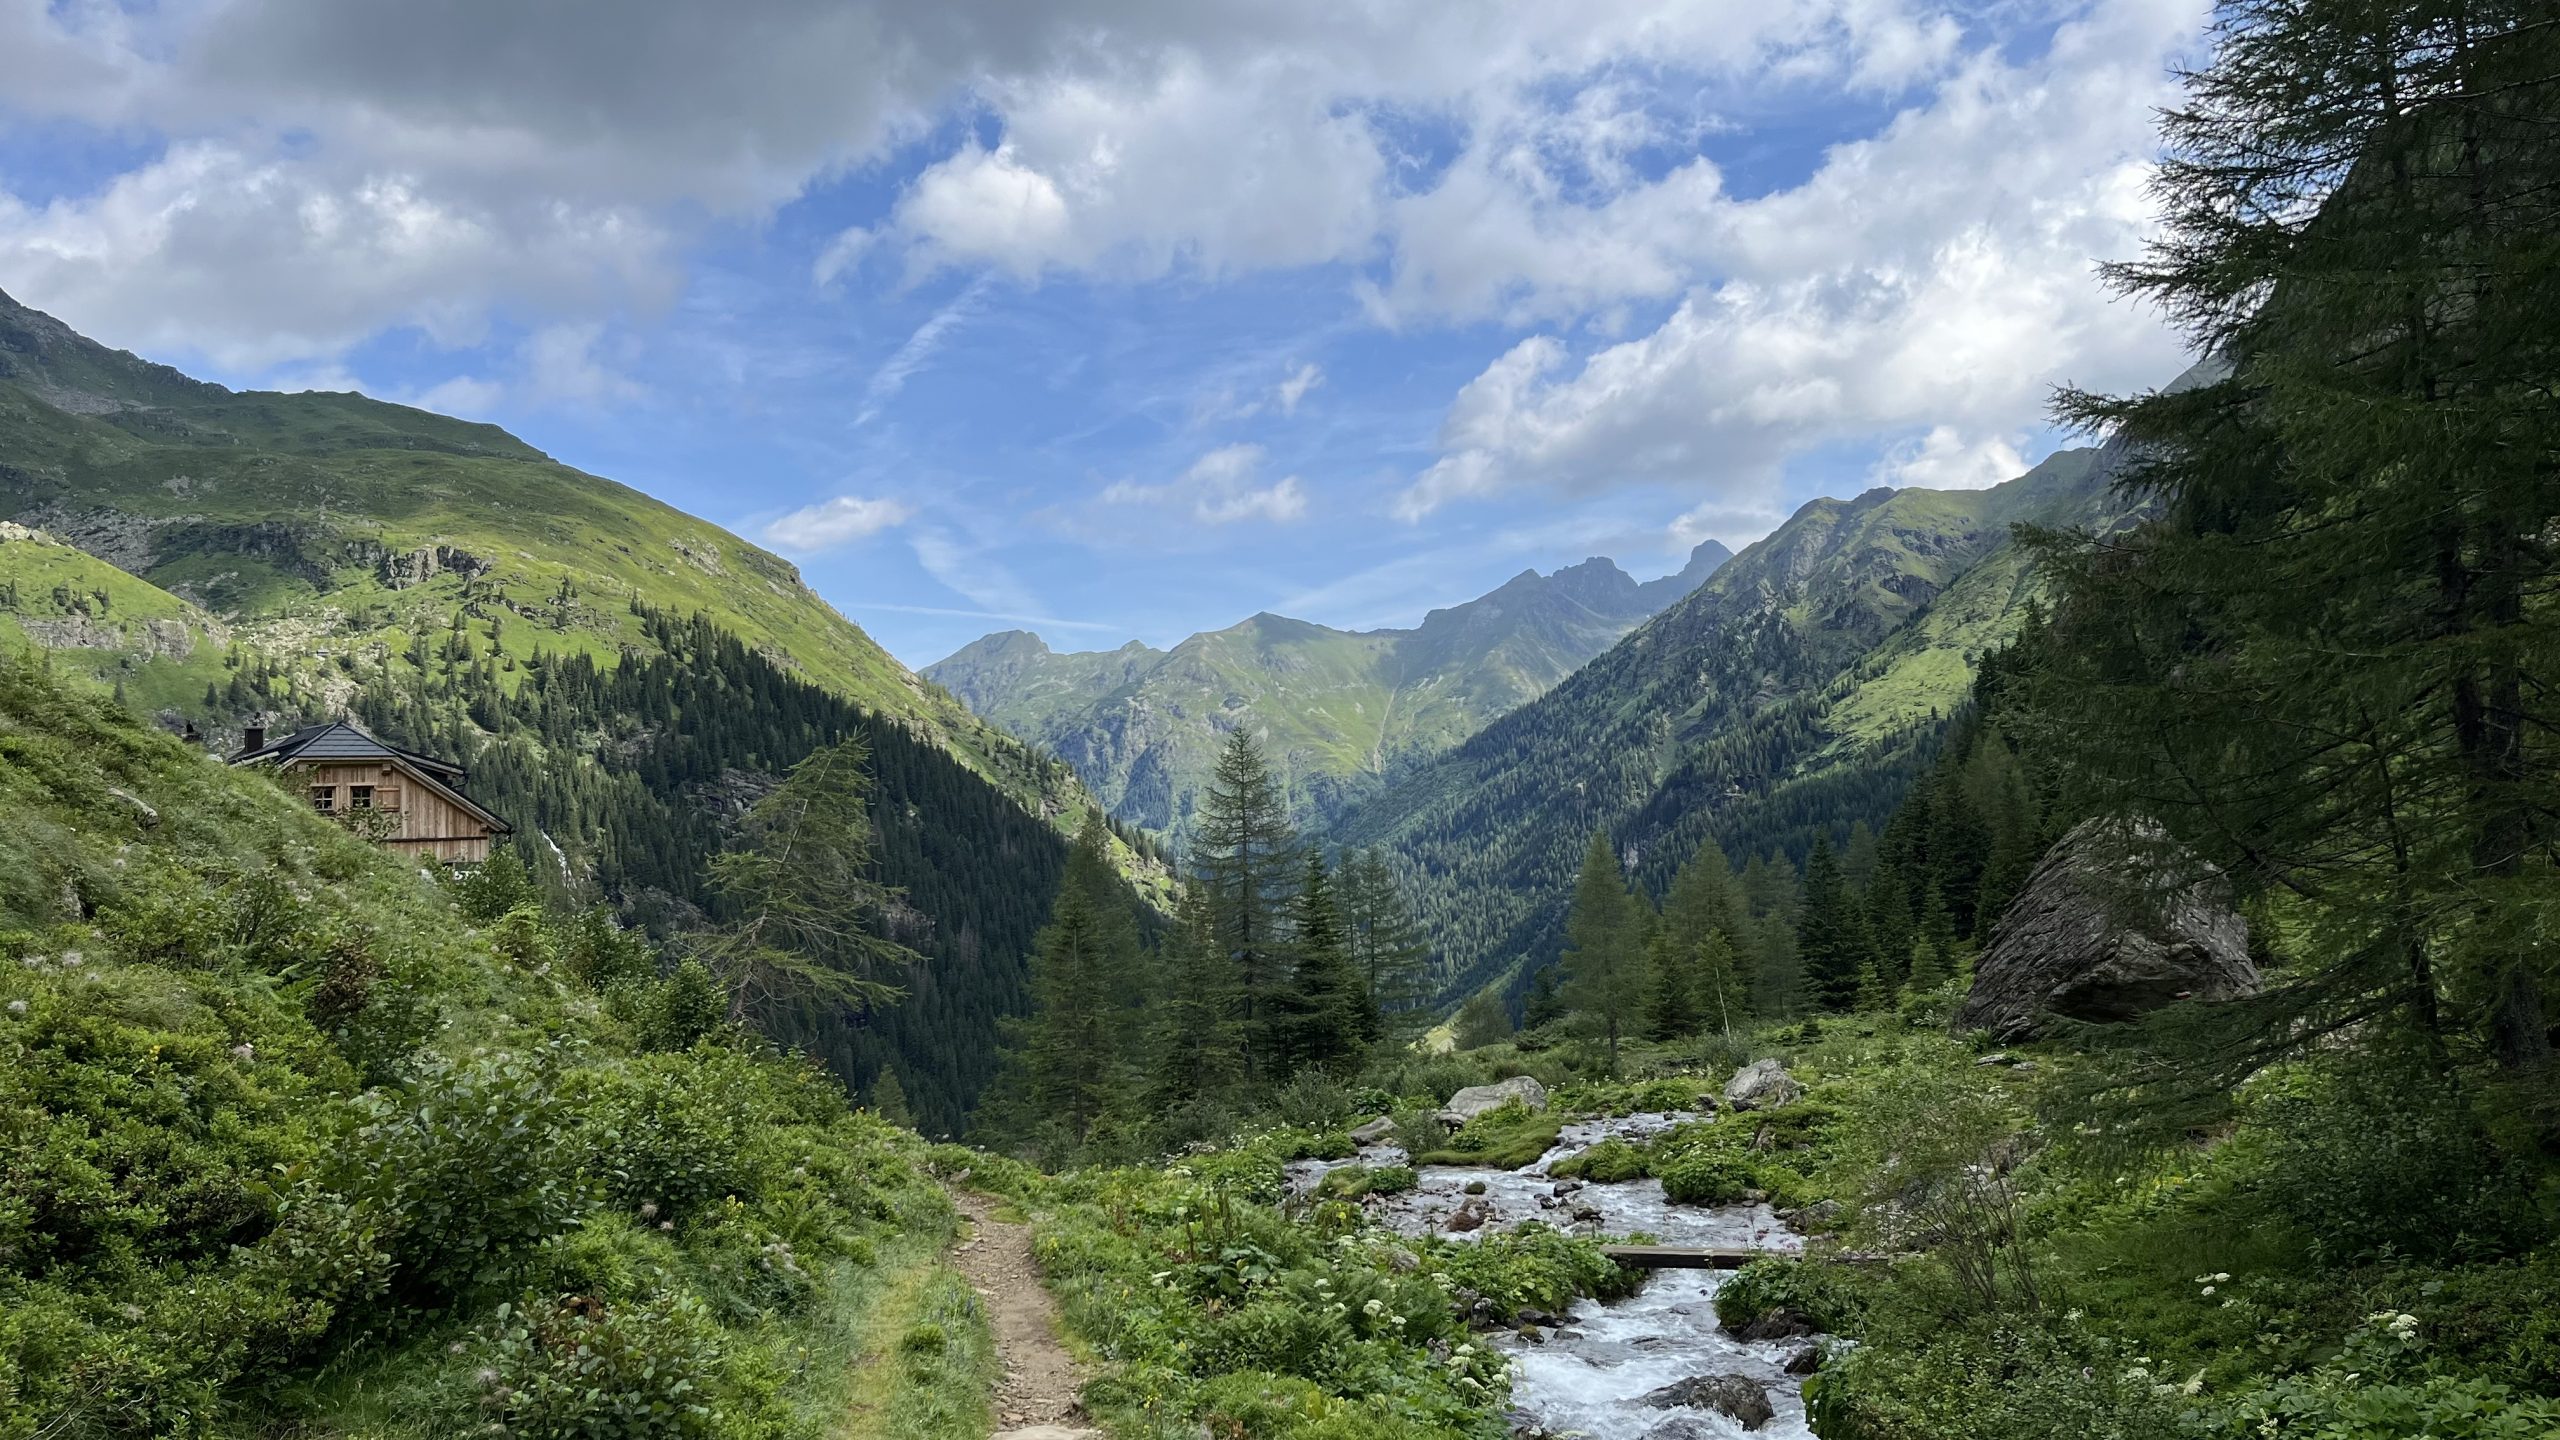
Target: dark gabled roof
{"x":344,"y":740}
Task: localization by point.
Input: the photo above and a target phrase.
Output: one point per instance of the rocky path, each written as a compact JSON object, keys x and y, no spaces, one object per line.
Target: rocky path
{"x":1036,"y":1398}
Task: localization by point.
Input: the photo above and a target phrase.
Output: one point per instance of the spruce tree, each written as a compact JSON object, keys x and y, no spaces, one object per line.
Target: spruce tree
{"x":1199,"y":1028}
{"x":1831,"y":934}
{"x":1077,"y":1055}
{"x":1481,"y":1021}
{"x":2324,"y":663}
{"x":889,"y":1098}
{"x":1248,"y":864}
{"x":1385,"y":943}
{"x":1670,"y":998}
{"x":1328,"y":1018}
{"x":1604,"y":958}
{"x":1544,"y":1002}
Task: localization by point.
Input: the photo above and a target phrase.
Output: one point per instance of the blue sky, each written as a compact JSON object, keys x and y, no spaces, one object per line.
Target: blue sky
{"x":1129,"y":318}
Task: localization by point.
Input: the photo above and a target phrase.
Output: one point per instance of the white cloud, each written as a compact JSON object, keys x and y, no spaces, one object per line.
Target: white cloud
{"x":468,"y":396}
{"x":839,"y":521}
{"x":893,"y":374}
{"x":1946,"y":459}
{"x":1936,"y":275}
{"x":255,"y":262}
{"x":1220,"y":489}
{"x":1294,"y":389}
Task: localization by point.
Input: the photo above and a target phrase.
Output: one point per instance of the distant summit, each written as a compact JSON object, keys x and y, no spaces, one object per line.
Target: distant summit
{"x":1338,"y":709}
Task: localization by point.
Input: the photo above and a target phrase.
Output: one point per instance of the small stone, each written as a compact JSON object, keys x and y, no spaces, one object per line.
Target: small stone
{"x":1373,"y":1132}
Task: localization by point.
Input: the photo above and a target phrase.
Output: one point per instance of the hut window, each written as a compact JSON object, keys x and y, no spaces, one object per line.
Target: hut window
{"x":387,"y":798}
{"x":359,"y":797}
{"x":324,"y":798}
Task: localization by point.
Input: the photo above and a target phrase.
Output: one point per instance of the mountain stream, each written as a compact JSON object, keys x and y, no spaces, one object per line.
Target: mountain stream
{"x":1589,"y":1373}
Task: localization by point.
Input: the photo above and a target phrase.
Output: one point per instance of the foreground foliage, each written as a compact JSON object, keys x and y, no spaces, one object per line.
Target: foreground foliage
{"x":291,"y":1141}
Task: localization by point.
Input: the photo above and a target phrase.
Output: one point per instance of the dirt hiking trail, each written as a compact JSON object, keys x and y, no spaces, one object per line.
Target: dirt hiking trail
{"x":1036,"y":1398}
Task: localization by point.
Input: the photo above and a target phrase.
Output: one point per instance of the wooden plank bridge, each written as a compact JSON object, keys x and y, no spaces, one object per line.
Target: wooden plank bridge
{"x":1681,"y":1257}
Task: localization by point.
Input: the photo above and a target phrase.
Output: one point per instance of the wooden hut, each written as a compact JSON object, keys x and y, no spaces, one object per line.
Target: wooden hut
{"x":400,"y":798}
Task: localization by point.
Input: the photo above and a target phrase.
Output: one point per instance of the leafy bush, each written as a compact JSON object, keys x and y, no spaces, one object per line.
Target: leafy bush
{"x":1353,"y":1181}
{"x":1993,"y":1380}
{"x":1826,"y":1295}
{"x":671,"y":1132}
{"x":1701,"y":1177}
{"x":476,"y":1160}
{"x":578,"y":1368}
{"x":1535,"y":1267}
{"x":1606,"y":1163}
{"x":2368,"y":1160}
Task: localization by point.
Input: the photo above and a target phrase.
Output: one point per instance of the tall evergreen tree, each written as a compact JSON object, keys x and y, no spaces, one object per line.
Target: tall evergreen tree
{"x":1199,"y":1029}
{"x":1077,"y":1044}
{"x":1248,"y":864}
{"x":1831,"y":934}
{"x":1604,"y":957}
{"x":1481,"y":1021}
{"x":1328,"y":1016}
{"x":1670,"y":995}
{"x":2325,"y":663}
{"x":799,"y":881}
{"x":1385,"y":943}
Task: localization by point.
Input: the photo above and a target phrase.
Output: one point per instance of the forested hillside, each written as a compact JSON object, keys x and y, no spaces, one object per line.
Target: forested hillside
{"x":1338,"y":712}
{"x":295,"y":1141}
{"x":1794,"y":694}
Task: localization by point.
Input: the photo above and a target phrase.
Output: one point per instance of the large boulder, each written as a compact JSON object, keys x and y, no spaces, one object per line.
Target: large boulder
{"x":1739,"y":1397}
{"x":1473,"y":1101}
{"x":1760,"y":1085}
{"x":2116,"y":921}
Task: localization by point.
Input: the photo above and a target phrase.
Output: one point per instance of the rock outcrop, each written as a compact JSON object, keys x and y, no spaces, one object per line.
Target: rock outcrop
{"x":1761,"y":1084}
{"x":2116,"y":921}
{"x":1739,"y":1397}
{"x":1473,"y":1101}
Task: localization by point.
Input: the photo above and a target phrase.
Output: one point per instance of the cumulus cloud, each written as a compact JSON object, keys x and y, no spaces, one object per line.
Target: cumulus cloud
{"x":1936,"y":275}
{"x":1220,"y":489}
{"x":559,"y":157}
{"x":840,"y":521}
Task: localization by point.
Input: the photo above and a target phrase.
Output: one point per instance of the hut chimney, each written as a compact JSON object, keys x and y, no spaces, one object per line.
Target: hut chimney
{"x":253,"y":738}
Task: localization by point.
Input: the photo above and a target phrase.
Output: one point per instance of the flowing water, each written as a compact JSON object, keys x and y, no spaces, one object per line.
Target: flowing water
{"x":1588,"y":1374}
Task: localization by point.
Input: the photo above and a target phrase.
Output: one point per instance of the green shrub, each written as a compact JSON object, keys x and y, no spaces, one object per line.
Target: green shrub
{"x":2371,"y":1159}
{"x":1535,"y":1267}
{"x":2003,"y":1380}
{"x":1353,"y":1181}
{"x":579,"y":1368}
{"x":1826,"y":1295}
{"x":475,"y":1161}
{"x":1701,"y":1177}
{"x":1607,"y":1163}
{"x":671,"y":1132}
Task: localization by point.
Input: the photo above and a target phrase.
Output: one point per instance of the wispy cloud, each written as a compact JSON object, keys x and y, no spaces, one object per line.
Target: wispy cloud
{"x":1294,"y":389}
{"x":1016,"y":618}
{"x":839,"y":521}
{"x":1218,"y":489}
{"x":893,"y":374}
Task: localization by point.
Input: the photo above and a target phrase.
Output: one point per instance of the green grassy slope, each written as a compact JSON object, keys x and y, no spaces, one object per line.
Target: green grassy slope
{"x":1338,"y":711}
{"x":1793,"y":691}
{"x":316,"y":523}
{"x":103,"y":624}
{"x":294,"y":1142}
